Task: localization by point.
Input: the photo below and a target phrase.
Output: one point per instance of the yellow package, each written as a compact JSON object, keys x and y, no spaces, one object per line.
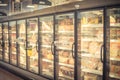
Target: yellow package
{"x":29,"y":51}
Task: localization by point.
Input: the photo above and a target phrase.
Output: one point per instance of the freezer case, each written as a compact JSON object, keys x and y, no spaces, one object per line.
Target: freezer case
{"x":64,"y":42}
{"x":5,"y":42}
{"x":45,"y":40}
{"x":114,"y":16}
{"x":12,"y":33}
{"x":32,"y":38}
{"x":1,"y":53}
{"x":21,"y":42}
{"x":90,"y":42}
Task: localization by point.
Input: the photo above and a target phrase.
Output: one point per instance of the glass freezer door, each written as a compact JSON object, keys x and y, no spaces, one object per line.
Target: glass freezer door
{"x":90,"y":44}
{"x":114,"y":17}
{"x":5,"y":42}
{"x":21,"y":41}
{"x":13,"y":54}
{"x":64,"y":42}
{"x":45,"y":41}
{"x":32,"y":38}
{"x":1,"y":53}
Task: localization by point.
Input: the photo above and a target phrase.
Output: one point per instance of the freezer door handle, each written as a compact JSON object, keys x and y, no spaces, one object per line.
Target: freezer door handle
{"x":101,"y":53}
{"x":52,"y":48}
{"x":73,"y":50}
{"x":37,"y":45}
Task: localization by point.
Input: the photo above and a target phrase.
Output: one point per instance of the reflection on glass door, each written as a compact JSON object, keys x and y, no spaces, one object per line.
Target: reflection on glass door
{"x":114,"y":16}
{"x":64,"y":42}
{"x":5,"y":42}
{"x":21,"y":41}
{"x":1,"y":53}
{"x":90,"y":41}
{"x":32,"y":36}
{"x":46,"y":38}
{"x":13,"y":54}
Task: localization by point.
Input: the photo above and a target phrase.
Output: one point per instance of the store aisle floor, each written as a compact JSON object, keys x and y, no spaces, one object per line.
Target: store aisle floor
{"x":5,"y":75}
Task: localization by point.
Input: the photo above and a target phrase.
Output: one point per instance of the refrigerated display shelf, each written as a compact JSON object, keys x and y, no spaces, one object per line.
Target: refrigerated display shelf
{"x":47,"y":73}
{"x":113,"y":75}
{"x":115,"y":25}
{"x":13,"y":42}
{"x":115,"y":59}
{"x":33,"y":44}
{"x":22,"y":32}
{"x":21,"y":43}
{"x":13,"y":32}
{"x":64,"y":48}
{"x":33,"y":32}
{"x":46,"y":32}
{"x":92,"y":25}
{"x":34,"y":67}
{"x":92,"y":39}
{"x":64,"y":77}
{"x":46,"y":46}
{"x":70,"y":32}
{"x":90,"y":55}
{"x":33,"y":57}
{"x":63,"y":64}
{"x":114,"y":40}
{"x":67,"y":65}
{"x":14,"y":53}
{"x":92,"y":71}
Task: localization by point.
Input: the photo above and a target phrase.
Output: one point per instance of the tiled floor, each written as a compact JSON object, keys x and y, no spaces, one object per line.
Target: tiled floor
{"x":4,"y":75}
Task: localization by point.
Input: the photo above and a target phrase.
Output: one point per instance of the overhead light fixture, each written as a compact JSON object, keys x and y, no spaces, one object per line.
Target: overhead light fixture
{"x":2,"y":3}
{"x":41,"y":2}
{"x":30,"y":6}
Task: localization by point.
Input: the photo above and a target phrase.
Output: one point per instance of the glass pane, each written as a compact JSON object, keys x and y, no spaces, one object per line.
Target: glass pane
{"x":114,"y":43}
{"x":46,"y":38}
{"x":21,"y":41}
{"x":1,"y":53}
{"x":32,"y":36}
{"x":13,"y":55}
{"x":64,"y":43}
{"x":5,"y":39}
{"x":90,"y":41}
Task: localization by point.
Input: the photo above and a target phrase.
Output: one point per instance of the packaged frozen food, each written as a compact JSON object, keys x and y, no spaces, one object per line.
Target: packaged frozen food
{"x":71,"y":61}
{"x":22,"y":27}
{"x":118,"y":34}
{"x":84,"y":20}
{"x":67,"y":71}
{"x":64,"y":54}
{"x":93,"y":20}
{"x":100,"y":66}
{"x":115,"y":69}
{"x":50,"y":56}
{"x":113,"y":33}
{"x":94,"y":47}
{"x":112,"y":19}
{"x":90,"y":77}
{"x":114,"y":49}
{"x":90,"y":63}
{"x":46,"y":26}
{"x":63,"y":59}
